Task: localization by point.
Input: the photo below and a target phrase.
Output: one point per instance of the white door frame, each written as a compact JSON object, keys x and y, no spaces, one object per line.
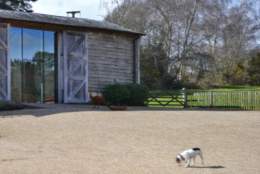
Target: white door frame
{"x":7,"y":67}
{"x":69,"y":99}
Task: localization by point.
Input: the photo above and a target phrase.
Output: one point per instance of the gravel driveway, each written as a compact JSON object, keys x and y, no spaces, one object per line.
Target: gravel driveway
{"x":67,"y":140}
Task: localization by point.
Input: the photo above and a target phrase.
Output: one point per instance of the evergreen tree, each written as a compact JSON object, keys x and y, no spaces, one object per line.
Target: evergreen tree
{"x":17,"y":5}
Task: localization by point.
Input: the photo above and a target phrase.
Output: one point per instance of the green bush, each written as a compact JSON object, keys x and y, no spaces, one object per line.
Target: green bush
{"x":2,"y":104}
{"x":122,"y":95}
{"x":138,"y":95}
{"x":116,"y":95}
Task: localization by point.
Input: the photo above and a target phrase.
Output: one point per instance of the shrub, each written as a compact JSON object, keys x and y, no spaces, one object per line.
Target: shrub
{"x":138,"y":95}
{"x":10,"y":106}
{"x":116,"y":94}
{"x":122,"y":95}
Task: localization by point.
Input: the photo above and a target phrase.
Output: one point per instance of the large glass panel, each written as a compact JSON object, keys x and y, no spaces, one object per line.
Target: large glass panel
{"x":32,"y":66}
{"x":15,"y":54}
{"x":49,"y":67}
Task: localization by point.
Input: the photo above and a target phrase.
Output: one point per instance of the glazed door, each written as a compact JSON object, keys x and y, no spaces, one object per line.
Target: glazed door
{"x":4,"y":64}
{"x":32,"y":56}
{"x":75,"y":67}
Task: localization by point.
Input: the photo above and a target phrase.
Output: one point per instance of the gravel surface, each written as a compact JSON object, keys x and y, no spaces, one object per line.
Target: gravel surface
{"x":67,"y":140}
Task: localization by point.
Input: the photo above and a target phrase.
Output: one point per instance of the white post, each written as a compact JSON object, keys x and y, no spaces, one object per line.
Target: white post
{"x":8,"y":65}
{"x":86,"y":68}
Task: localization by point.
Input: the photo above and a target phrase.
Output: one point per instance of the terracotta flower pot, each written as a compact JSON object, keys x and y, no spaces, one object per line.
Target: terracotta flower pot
{"x":118,"y":108}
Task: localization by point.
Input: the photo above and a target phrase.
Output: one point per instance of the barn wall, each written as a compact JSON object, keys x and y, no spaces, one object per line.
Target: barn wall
{"x":110,"y":60}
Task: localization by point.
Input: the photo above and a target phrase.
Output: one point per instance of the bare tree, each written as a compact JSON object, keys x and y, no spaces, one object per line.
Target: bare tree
{"x":190,"y":32}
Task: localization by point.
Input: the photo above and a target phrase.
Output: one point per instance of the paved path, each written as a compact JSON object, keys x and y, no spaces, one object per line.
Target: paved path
{"x":68,"y":140}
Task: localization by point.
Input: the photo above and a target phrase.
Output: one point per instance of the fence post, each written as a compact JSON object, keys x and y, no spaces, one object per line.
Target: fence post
{"x":211,"y":99}
{"x":185,"y":96}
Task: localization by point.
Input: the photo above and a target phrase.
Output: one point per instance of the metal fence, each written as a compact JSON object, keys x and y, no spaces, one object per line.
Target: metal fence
{"x":242,"y":99}
{"x":237,"y":99}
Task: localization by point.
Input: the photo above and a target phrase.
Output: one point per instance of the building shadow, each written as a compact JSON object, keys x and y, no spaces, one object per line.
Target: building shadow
{"x":41,"y":110}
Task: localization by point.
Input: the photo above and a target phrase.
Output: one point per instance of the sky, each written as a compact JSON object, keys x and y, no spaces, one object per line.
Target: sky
{"x":92,"y":9}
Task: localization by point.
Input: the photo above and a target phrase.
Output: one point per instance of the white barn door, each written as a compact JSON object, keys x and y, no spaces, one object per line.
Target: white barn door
{"x":75,"y":67}
{"x":4,"y":64}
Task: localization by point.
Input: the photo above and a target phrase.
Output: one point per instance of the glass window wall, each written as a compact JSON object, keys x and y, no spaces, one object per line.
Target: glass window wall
{"x":33,"y":65}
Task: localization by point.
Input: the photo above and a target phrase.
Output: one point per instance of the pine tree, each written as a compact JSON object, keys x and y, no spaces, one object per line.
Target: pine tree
{"x":17,"y":5}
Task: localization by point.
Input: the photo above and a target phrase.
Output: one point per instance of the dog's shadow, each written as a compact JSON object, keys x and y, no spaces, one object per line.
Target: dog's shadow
{"x":208,"y":167}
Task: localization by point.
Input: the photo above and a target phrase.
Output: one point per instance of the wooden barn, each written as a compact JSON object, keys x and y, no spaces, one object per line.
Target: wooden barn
{"x":46,"y":58}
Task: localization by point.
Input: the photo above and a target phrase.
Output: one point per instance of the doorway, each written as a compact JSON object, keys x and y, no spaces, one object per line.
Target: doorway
{"x":75,"y":67}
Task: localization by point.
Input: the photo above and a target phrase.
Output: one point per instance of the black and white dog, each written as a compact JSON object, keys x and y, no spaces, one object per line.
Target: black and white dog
{"x":189,"y":155}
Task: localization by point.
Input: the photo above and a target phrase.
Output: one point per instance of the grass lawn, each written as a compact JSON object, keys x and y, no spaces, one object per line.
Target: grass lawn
{"x":233,"y":97}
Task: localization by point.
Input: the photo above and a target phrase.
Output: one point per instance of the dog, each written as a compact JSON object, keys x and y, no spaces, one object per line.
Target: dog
{"x":189,"y":156}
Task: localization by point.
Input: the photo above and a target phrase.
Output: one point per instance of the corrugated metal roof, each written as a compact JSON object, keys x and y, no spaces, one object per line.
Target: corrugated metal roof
{"x":62,"y":20}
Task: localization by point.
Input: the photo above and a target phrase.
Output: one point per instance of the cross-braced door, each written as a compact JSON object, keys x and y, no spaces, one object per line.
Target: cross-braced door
{"x":4,"y":64}
{"x":75,"y":67}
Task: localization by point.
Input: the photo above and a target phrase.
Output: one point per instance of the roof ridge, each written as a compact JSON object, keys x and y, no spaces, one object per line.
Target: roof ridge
{"x":63,"y":20}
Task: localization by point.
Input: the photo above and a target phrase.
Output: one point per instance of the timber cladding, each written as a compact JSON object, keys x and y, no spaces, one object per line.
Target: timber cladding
{"x":90,"y":54}
{"x":110,"y":60}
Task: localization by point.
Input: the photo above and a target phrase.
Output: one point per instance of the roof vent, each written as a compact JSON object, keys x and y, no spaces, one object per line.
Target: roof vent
{"x":73,"y":13}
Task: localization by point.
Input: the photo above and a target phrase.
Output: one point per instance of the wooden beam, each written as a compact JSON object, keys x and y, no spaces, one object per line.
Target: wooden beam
{"x":136,"y":62}
{"x":87,"y":68}
{"x":65,"y":67}
{"x":60,"y":68}
{"x":59,"y":28}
